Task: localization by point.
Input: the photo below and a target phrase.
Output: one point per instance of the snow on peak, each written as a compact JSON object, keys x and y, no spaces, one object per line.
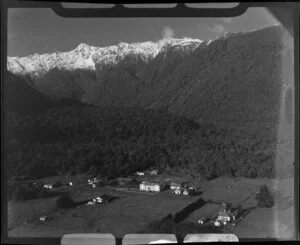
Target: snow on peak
{"x":85,"y":56}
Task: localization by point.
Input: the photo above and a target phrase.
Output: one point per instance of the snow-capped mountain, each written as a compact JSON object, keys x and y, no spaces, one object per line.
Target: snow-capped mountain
{"x":238,"y":76}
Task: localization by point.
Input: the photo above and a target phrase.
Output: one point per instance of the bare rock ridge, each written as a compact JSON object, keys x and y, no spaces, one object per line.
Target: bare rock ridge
{"x":236,"y":77}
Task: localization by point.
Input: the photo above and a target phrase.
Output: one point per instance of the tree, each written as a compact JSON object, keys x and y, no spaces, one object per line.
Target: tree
{"x":64,"y":202}
{"x":264,"y":197}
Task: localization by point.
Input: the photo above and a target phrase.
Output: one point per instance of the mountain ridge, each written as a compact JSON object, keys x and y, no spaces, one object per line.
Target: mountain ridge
{"x":189,"y":77}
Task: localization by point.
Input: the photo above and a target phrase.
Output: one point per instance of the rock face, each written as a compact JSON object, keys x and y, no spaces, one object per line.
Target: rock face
{"x":238,"y":77}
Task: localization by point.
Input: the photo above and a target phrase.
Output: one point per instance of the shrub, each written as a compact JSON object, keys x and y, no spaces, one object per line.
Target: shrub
{"x":64,"y":202}
{"x":264,"y":197}
{"x":113,"y":182}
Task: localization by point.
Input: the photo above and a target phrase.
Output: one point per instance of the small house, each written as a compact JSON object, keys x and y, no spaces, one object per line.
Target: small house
{"x":154,"y":172}
{"x":225,"y":217}
{"x":48,"y":186}
{"x":43,"y":218}
{"x":102,"y":199}
{"x":151,"y":186}
{"x":188,"y":192}
{"x":177,"y":191}
{"x":70,"y":184}
{"x":140,"y":173}
{"x":203,"y":220}
{"x":91,"y":203}
{"x":175,"y":186}
{"x":96,"y":180}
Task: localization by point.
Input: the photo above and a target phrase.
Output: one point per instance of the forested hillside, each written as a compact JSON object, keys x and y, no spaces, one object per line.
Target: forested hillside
{"x":114,"y":142}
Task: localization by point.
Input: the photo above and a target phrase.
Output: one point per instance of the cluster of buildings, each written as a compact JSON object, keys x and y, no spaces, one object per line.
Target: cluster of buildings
{"x":226,"y":215}
{"x":94,"y":182}
{"x":180,"y":189}
{"x":100,"y":200}
{"x":57,"y":185}
{"x":175,"y":187}
{"x":150,"y":172}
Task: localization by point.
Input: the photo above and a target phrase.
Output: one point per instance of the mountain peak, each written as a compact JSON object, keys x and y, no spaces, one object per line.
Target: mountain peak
{"x":84,"y":50}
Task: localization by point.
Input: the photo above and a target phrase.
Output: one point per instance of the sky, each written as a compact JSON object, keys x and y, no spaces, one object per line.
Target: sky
{"x":40,"y":31}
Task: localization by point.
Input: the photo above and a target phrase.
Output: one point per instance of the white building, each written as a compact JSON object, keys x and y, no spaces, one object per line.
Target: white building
{"x":102,"y":199}
{"x":43,"y":218}
{"x":175,"y":186}
{"x":150,"y":186}
{"x":154,"y":172}
{"x":140,"y":173}
{"x":48,"y":186}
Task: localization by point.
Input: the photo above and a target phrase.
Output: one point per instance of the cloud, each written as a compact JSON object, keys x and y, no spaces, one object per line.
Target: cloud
{"x":167,"y":32}
{"x":227,"y":20}
{"x":217,"y":28}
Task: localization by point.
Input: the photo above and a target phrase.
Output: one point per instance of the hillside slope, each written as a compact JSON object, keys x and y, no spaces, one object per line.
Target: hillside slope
{"x":203,"y":81}
{"x":20,"y":97}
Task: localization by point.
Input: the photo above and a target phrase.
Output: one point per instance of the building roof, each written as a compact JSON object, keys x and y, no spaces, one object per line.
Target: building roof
{"x":223,"y":213}
{"x":175,"y":184}
{"x":145,"y":182}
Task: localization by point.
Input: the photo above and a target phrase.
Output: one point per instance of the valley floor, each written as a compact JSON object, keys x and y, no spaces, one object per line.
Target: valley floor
{"x":131,"y":212}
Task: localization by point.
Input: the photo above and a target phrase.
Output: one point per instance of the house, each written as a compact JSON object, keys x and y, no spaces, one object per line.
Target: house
{"x":188,"y":192}
{"x":151,"y":186}
{"x":70,"y":183}
{"x":177,"y":191}
{"x":154,"y":172}
{"x":102,"y":199}
{"x":140,"y":173}
{"x":48,"y":186}
{"x":96,"y":180}
{"x":202,"y":220}
{"x":43,"y":218}
{"x":174,"y":186}
{"x":191,"y":187}
{"x":91,"y":203}
{"x":225,"y":217}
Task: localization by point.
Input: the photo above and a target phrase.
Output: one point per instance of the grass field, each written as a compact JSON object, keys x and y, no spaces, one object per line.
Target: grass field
{"x":131,"y":211}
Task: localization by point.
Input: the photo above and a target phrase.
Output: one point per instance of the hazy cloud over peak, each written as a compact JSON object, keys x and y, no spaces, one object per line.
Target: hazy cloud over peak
{"x":168,"y":32}
{"x":217,"y":28}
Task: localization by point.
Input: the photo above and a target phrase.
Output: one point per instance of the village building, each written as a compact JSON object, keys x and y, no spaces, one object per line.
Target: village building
{"x":151,"y":186}
{"x":174,"y":186}
{"x":188,"y":192}
{"x":224,"y":217}
{"x":154,"y":172}
{"x":140,"y":173}
{"x":91,"y":203}
{"x":102,"y":199}
{"x":43,"y":218}
{"x":203,"y":220}
{"x":48,"y":186}
{"x":178,"y":191}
